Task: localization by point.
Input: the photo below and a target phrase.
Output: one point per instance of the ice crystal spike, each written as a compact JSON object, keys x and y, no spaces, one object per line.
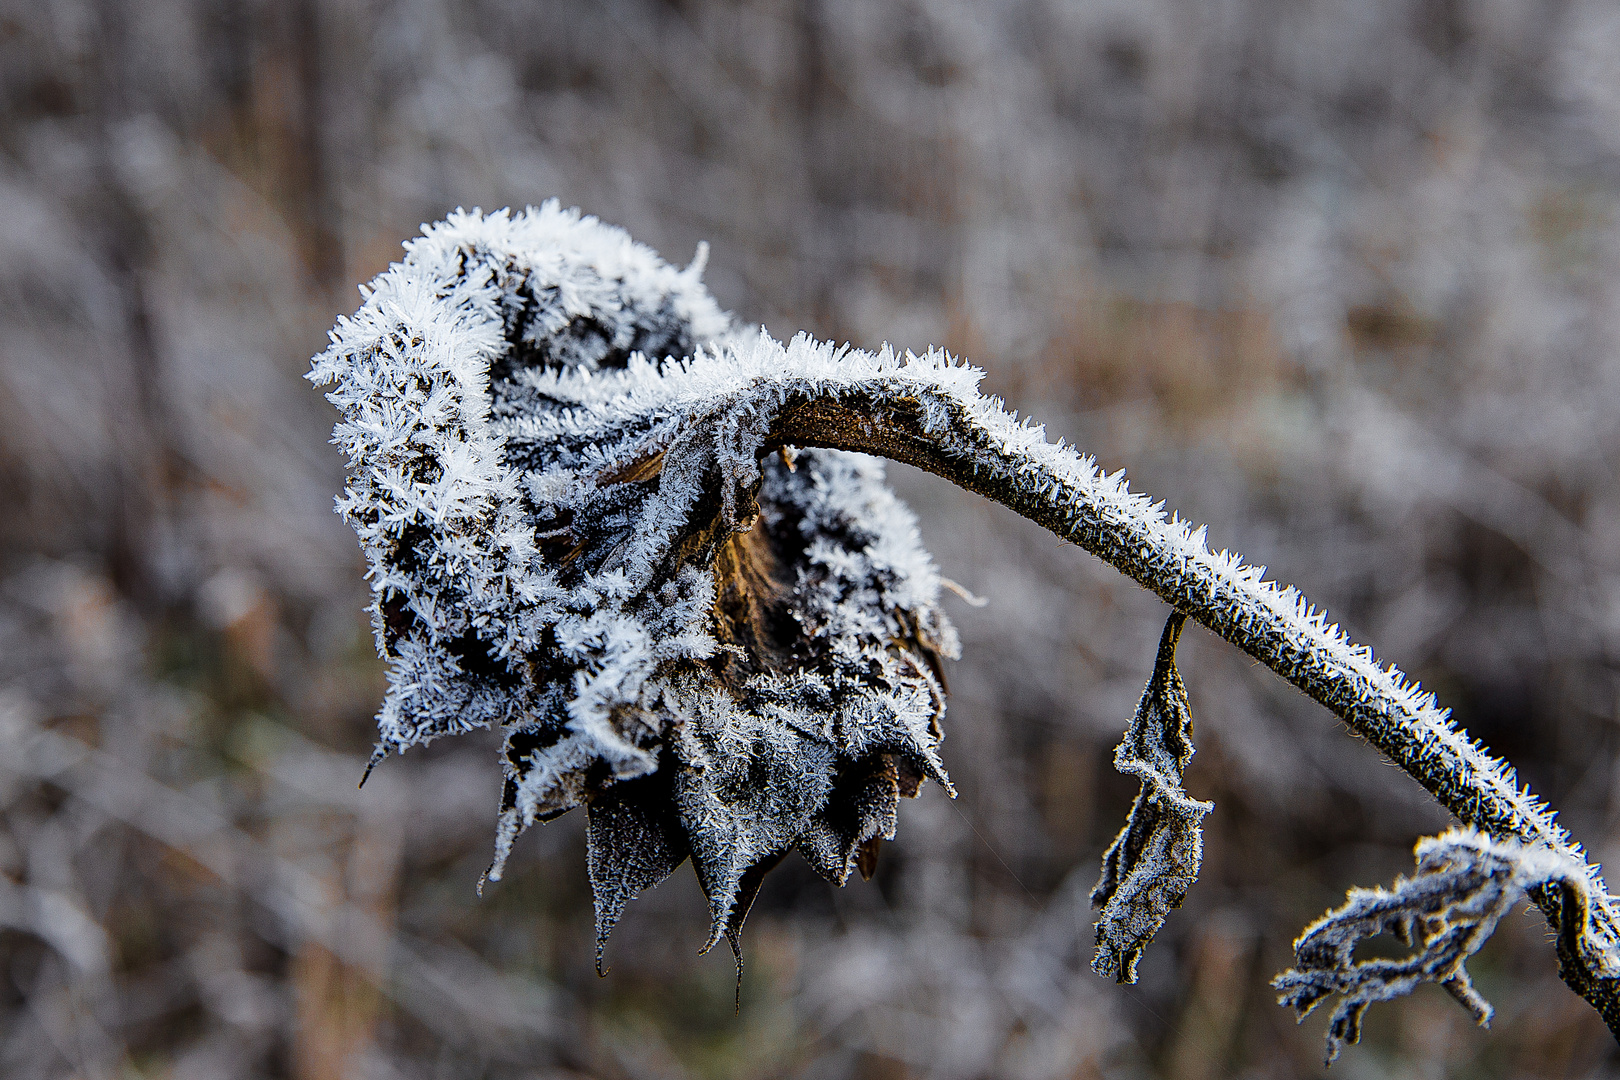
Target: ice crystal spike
{"x":571,"y":537}
{"x":1154,"y":860}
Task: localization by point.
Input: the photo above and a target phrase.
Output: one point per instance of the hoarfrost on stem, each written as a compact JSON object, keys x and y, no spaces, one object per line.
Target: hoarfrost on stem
{"x":599,"y":516}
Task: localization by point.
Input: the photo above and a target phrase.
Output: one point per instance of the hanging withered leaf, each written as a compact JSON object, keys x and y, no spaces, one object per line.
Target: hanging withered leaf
{"x":577,"y":531}
{"x":1154,"y":860}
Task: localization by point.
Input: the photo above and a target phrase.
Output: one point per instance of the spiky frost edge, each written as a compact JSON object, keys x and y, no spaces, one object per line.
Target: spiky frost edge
{"x":411,"y":375}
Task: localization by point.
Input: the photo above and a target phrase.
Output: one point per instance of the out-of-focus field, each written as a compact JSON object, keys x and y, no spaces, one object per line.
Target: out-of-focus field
{"x":1340,"y":280}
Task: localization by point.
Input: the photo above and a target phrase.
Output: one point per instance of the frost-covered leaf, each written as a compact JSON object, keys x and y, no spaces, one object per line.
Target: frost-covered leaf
{"x":1465,"y":883}
{"x":1154,"y":860}
{"x":556,"y":445}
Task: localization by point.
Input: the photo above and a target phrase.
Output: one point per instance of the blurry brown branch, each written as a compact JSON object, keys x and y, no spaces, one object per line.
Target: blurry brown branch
{"x":451,"y":992}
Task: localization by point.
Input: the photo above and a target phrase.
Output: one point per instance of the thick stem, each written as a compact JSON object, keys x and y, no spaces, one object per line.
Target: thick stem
{"x":1057,"y":490}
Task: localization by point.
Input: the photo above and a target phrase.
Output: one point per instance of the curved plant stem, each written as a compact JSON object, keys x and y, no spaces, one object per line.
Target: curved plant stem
{"x":977,"y":447}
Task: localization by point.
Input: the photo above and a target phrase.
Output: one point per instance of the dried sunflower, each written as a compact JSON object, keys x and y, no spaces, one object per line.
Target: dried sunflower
{"x":587,"y":523}
{"x":571,"y":536}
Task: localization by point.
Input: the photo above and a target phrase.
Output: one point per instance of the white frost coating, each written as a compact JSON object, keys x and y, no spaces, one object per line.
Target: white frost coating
{"x":437,"y":508}
{"x":1165,"y":553}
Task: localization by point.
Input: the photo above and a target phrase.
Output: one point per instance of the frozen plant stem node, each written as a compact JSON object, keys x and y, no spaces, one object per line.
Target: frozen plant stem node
{"x":648,"y":546}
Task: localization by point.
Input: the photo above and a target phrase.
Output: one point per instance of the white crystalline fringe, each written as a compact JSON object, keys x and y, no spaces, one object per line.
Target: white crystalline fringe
{"x":411,"y":369}
{"x":475,"y":488}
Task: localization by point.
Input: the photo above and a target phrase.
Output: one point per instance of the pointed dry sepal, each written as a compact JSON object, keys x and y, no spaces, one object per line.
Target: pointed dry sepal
{"x":633,"y":840}
{"x":1154,"y":860}
{"x":1465,"y":883}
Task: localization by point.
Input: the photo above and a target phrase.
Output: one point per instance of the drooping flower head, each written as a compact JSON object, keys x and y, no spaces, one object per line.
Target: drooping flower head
{"x":579,"y":530}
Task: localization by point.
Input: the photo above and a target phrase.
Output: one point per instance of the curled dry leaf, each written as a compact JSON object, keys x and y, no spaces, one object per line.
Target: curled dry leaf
{"x":720,"y":659}
{"x":1465,"y":883}
{"x":1154,"y":860}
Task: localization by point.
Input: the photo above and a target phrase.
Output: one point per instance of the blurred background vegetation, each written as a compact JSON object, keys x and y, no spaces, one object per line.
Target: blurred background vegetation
{"x":1339,"y":280}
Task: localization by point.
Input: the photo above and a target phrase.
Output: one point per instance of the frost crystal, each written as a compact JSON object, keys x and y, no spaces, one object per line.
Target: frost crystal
{"x":1154,"y":860}
{"x":571,"y":537}
{"x":1465,"y":883}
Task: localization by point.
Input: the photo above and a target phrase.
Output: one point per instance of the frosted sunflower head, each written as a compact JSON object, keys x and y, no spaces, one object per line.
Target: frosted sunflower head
{"x":580,"y":529}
